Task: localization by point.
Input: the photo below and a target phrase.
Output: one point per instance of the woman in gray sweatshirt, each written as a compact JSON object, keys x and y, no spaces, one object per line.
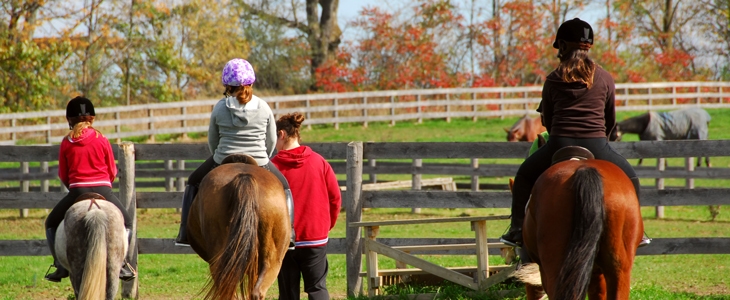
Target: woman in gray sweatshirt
{"x":240,"y":123}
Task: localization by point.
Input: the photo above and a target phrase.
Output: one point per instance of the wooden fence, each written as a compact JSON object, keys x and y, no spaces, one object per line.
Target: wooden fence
{"x":354,"y":160}
{"x":186,"y":117}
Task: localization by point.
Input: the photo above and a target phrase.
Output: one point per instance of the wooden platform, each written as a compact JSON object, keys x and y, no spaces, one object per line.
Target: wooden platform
{"x":477,"y":278}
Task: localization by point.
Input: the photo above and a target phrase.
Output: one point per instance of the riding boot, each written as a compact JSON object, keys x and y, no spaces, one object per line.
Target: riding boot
{"x":127,"y":272}
{"x":60,"y":272}
{"x":290,"y":206}
{"x":188,"y":196}
{"x":645,"y":240}
{"x":520,"y":196}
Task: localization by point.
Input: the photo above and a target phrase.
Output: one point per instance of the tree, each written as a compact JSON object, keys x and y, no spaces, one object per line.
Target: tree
{"x":320,"y":30}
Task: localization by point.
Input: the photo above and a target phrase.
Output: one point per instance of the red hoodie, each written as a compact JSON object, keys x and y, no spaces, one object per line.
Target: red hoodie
{"x":316,"y":194}
{"x":86,"y":161}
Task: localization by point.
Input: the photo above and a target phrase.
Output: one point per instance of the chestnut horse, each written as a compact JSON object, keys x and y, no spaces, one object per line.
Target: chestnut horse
{"x":525,"y":129}
{"x":91,"y":244}
{"x":582,"y":227}
{"x":239,"y":224}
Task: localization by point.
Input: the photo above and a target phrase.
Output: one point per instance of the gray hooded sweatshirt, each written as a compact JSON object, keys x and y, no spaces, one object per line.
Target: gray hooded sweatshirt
{"x":248,"y":129}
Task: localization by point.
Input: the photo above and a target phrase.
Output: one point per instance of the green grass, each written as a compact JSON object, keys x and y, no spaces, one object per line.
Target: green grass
{"x":182,"y":276}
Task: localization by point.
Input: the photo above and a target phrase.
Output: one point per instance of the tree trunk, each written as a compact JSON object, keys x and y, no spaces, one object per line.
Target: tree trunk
{"x":324,"y":33}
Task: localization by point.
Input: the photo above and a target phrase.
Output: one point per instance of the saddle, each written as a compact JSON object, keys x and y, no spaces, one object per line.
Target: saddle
{"x":239,"y":158}
{"x":571,"y":153}
{"x":90,"y":196}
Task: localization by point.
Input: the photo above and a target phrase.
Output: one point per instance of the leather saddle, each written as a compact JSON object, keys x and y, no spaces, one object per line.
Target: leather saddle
{"x":90,"y":196}
{"x":571,"y":153}
{"x":239,"y":158}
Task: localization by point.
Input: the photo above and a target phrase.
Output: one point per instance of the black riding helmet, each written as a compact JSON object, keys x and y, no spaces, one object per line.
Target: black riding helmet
{"x":575,"y":30}
{"x":79,"y":106}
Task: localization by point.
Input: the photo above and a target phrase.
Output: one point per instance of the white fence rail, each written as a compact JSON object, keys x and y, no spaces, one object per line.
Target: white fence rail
{"x":187,"y":117}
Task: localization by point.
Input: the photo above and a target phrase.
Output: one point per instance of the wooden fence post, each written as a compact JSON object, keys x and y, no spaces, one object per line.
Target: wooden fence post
{"x":44,"y":183}
{"x":419,"y":108}
{"x":660,"y":185}
{"x":392,"y":111}
{"x":353,"y":204}
{"x":373,"y":177}
{"x":48,"y":132}
{"x":416,"y":180}
{"x":128,"y":198}
{"x":365,"y":112}
{"x":448,"y":109}
{"x":336,"y":114}
{"x":24,"y":186}
{"x":151,"y":125}
{"x":474,"y":107}
{"x":184,"y":122}
{"x":475,"y":178}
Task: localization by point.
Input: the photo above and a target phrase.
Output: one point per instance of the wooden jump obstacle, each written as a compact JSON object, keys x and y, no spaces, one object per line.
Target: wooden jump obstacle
{"x":479,"y":282}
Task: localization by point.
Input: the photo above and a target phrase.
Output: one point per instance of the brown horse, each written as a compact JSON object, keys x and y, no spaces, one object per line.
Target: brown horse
{"x":582,"y":228}
{"x":525,"y":129}
{"x":91,"y":243}
{"x":239,"y":224}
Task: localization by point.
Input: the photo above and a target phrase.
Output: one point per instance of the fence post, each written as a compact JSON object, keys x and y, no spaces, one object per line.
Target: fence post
{"x":117,"y":126}
{"x":448,"y":109}
{"x":392,"y":111}
{"x":373,"y":178}
{"x":184,"y":122}
{"x":353,"y":204}
{"x":13,"y":135}
{"x":419,"y":108}
{"x":365,"y":112}
{"x":475,"y":177}
{"x":660,"y":185}
{"x":474,"y":106}
{"x":127,"y":196}
{"x":416,"y":180}
{"x":501,"y":105}
{"x":309,"y":115}
{"x":24,"y":186}
{"x":48,"y":132}
{"x":44,"y":182}
{"x":151,"y":125}
{"x":336,"y":114}
{"x":180,"y":181}
{"x":169,"y":181}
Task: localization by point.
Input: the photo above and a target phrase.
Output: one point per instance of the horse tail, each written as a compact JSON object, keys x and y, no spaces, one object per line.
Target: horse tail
{"x":588,"y":219}
{"x":93,"y":283}
{"x":237,"y":265}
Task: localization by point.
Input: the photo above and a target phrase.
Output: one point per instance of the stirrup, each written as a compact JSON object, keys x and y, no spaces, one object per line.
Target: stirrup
{"x":132,"y":273}
{"x":182,"y":243}
{"x":53,"y":277}
{"x":511,"y":238}
{"x":645,"y":241}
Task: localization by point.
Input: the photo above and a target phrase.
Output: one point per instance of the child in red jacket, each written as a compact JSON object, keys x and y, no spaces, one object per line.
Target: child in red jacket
{"x":85,"y":164}
{"x":317,"y":202}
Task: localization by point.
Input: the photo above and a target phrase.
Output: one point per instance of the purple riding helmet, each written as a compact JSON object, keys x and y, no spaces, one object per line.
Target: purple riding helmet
{"x":238,"y":72}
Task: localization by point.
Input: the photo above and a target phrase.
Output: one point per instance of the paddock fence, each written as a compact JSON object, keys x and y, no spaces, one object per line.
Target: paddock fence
{"x":30,"y":183}
{"x":145,"y":121}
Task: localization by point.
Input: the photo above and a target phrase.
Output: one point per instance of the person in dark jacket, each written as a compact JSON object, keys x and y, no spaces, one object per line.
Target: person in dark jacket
{"x":578,"y":109}
{"x":317,"y":204}
{"x":85,"y":164}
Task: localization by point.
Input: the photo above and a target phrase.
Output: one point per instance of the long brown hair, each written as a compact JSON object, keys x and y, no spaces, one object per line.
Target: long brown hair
{"x":290,"y":123}
{"x":78,"y":124}
{"x":576,"y":66}
{"x":243,"y":93}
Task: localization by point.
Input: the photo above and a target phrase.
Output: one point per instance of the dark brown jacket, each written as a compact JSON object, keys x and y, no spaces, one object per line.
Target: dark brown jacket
{"x":570,"y":109}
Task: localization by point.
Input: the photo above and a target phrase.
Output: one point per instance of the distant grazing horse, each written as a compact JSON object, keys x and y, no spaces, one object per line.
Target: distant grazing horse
{"x":91,"y":244}
{"x":684,"y":124}
{"x":582,"y":227}
{"x":525,"y":129}
{"x":239,"y":224}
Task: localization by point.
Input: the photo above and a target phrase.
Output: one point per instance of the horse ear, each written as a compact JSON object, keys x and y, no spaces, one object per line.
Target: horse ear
{"x":511,"y":183}
{"x":506,"y":129}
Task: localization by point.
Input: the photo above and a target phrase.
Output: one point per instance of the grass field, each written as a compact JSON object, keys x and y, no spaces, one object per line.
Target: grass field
{"x":182,"y":276}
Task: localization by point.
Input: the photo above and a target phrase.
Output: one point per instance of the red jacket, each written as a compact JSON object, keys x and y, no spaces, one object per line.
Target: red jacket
{"x":86,"y":161}
{"x":316,"y":194}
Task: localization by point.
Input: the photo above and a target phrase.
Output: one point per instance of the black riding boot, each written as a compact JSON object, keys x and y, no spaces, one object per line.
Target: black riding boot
{"x":60,"y":272}
{"x":645,"y":240}
{"x":290,"y":206}
{"x":188,"y":196}
{"x":127,"y":272}
{"x":520,"y":196}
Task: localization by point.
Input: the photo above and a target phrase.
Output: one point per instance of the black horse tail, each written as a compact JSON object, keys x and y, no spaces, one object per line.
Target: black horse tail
{"x":588,"y":220}
{"x":237,"y":265}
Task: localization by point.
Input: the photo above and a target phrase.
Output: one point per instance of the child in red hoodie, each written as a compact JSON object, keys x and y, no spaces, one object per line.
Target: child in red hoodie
{"x":317,"y":202}
{"x":85,"y":164}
